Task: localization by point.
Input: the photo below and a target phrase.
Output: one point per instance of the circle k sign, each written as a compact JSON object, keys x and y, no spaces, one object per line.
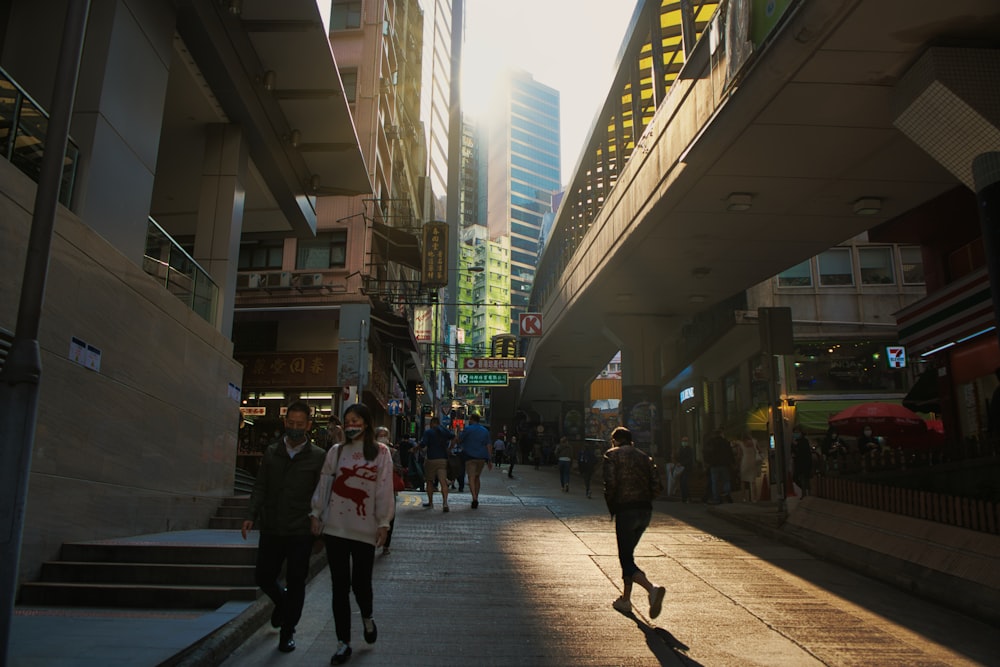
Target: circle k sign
{"x":530,"y":324}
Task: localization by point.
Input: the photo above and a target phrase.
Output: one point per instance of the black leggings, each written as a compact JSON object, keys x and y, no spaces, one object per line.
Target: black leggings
{"x":351,"y":564}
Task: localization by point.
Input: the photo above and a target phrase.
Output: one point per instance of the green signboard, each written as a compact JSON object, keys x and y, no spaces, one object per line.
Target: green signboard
{"x":483,"y":379}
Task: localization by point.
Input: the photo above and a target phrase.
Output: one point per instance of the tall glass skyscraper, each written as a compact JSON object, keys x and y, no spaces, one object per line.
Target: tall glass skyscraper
{"x":522,"y":175}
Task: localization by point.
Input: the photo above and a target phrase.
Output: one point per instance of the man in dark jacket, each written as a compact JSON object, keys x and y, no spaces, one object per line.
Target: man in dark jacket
{"x":720,"y":460}
{"x":279,"y":508}
{"x":631,"y":481}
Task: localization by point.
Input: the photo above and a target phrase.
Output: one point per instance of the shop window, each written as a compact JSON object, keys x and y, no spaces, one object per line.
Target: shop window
{"x":327,"y":251}
{"x":844,"y":366}
{"x":345,"y":15}
{"x":876,"y":266}
{"x":835,"y":267}
{"x":799,"y":275}
{"x":912,"y":265}
{"x":261,"y":255}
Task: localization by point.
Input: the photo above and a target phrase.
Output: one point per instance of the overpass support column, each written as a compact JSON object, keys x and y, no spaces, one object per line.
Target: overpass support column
{"x":575,"y":396}
{"x":640,"y":339}
{"x":220,"y":214}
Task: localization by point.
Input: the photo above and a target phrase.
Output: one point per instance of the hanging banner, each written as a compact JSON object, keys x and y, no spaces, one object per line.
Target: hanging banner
{"x":423,"y":323}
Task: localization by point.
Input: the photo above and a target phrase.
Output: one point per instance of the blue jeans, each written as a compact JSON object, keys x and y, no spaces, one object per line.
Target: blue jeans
{"x":630,"y":524}
{"x":564,"y":472}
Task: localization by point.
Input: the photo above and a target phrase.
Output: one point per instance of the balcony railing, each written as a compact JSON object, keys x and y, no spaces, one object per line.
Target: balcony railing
{"x":23,"y":127}
{"x":166,"y":261}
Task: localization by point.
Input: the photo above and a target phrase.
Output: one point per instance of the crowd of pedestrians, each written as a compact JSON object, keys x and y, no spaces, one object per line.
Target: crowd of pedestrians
{"x":343,"y":499}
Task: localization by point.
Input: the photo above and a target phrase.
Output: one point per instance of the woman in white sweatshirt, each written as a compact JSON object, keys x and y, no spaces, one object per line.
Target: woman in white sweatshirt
{"x":351,"y":508}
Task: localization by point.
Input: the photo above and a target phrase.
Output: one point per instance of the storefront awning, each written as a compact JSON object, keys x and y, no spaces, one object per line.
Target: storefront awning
{"x":958,"y":311}
{"x":392,"y":328}
{"x":396,"y":245}
{"x":814,"y":416}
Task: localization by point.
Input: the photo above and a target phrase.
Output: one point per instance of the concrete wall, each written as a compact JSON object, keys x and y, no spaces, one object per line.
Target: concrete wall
{"x":147,"y":443}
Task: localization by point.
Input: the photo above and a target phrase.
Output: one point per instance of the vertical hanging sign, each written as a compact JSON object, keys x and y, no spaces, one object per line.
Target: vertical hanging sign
{"x":435,"y":255}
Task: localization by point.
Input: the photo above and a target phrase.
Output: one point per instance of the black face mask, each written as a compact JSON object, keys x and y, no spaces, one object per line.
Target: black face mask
{"x":295,"y":433}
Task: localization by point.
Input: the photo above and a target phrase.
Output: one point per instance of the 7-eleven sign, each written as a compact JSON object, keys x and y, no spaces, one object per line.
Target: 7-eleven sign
{"x":896,"y":356}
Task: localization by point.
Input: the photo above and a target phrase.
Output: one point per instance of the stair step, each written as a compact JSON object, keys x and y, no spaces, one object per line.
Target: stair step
{"x":237,"y":501}
{"x":133,"y":595}
{"x":146,"y":552}
{"x":234,"y":512}
{"x":225,"y":523}
{"x":147,"y":573}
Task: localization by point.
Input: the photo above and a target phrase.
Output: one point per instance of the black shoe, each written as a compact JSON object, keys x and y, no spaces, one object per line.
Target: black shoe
{"x":286,"y":644}
{"x":370,"y":635}
{"x":342,"y":655}
{"x":277,"y":613}
{"x":475,"y":504}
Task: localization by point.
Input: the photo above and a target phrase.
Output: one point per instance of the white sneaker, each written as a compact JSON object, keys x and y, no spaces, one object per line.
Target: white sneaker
{"x":622,"y":605}
{"x":656,"y":600}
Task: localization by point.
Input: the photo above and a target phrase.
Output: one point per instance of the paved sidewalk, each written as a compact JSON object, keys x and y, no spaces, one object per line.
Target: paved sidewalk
{"x":528,"y":579}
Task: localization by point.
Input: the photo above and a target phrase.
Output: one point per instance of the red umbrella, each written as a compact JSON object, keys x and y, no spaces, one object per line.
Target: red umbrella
{"x":884,"y":418}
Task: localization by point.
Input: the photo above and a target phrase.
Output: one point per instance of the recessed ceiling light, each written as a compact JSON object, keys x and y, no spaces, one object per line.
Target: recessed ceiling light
{"x":739,"y":201}
{"x":867,"y":206}
{"x":697,"y":298}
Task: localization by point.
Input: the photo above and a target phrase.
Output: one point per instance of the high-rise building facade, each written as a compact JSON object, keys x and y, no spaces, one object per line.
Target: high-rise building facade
{"x":522,"y":175}
{"x":436,"y":95}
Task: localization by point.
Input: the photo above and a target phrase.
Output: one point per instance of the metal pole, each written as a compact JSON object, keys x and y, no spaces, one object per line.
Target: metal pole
{"x":22,"y":372}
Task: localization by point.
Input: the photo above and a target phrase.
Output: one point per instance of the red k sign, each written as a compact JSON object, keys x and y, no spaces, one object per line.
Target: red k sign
{"x":530,"y":324}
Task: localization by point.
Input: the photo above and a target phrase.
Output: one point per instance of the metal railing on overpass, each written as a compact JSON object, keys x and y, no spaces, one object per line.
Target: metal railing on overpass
{"x":24,"y":125}
{"x":172,"y":266}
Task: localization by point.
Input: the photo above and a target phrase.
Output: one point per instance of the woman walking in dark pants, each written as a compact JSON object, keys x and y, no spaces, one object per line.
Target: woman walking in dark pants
{"x":353,"y":519}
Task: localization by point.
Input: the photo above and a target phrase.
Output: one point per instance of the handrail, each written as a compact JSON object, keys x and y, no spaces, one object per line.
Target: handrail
{"x":26,"y":123}
{"x":168,"y":262}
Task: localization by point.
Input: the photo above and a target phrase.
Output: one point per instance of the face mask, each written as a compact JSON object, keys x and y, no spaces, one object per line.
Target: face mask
{"x":295,"y":433}
{"x":684,"y":443}
{"x":353,"y":432}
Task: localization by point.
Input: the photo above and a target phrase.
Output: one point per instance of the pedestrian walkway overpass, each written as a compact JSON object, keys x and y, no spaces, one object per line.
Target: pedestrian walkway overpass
{"x":737,"y":140}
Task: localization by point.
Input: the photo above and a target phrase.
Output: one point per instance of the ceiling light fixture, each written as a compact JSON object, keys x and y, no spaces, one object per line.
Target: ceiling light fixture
{"x":867,"y":206}
{"x":739,"y":201}
{"x":697,"y":298}
{"x":270,"y":79}
{"x":700,"y":272}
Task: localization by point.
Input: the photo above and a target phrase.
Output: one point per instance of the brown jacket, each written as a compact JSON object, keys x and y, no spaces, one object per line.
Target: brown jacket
{"x":631,"y":479}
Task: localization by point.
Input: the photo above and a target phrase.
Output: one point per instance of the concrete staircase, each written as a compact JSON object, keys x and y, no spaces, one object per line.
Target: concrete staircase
{"x":230,"y":514}
{"x":195,"y":570}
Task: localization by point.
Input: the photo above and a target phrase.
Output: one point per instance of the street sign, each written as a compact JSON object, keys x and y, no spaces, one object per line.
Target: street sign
{"x":483,"y":379}
{"x":514,"y":366}
{"x":530,"y":324}
{"x":395,"y":407}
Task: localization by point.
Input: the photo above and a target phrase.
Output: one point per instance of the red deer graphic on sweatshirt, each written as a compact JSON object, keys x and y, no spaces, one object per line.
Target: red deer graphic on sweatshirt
{"x":366,"y":471}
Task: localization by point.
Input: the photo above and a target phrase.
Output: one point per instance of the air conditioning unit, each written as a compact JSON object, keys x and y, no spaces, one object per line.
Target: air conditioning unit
{"x":248,"y":280}
{"x":311,"y":280}
{"x":277,"y":279}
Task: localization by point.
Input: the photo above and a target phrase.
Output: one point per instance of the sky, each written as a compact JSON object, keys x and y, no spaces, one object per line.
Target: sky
{"x":569,"y":45}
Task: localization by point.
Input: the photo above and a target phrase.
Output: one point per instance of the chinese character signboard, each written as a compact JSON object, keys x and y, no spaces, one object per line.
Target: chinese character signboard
{"x":435,"y":257}
{"x":514,"y":366}
{"x":292,"y":370}
{"x":481,"y":379}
